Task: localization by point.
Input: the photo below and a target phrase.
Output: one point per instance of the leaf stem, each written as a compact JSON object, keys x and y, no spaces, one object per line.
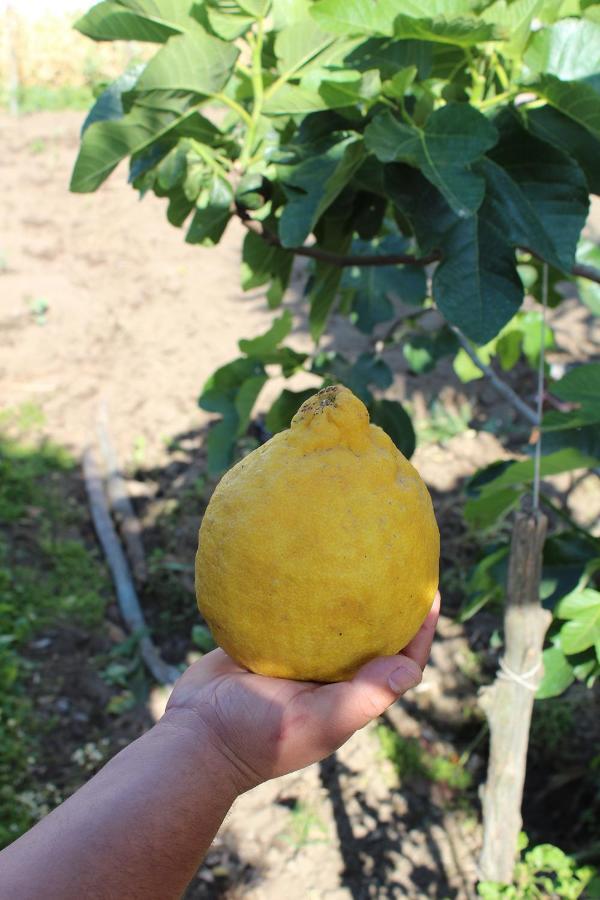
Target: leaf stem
{"x":258,"y":99}
{"x":490,"y":102}
{"x":235,"y":106}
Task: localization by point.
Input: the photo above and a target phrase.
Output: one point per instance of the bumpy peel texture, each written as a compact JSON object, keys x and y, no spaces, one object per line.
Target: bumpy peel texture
{"x":319,"y":550}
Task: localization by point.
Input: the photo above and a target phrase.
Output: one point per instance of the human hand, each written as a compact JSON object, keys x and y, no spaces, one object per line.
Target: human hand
{"x":264,"y":727}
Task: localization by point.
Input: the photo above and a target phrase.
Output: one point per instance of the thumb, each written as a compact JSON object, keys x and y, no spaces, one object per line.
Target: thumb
{"x":344,"y":707}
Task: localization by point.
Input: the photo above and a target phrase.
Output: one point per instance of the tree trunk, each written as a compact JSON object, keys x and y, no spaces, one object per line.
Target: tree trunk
{"x":508,"y":702}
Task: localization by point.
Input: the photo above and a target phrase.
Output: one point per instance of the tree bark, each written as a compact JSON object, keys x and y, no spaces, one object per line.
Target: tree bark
{"x":508,"y":702}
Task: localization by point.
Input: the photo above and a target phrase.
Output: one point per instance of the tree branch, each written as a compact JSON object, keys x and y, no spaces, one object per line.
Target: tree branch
{"x":589,"y":272}
{"x":507,"y":392}
{"x":358,"y":259}
{"x":334,"y":259}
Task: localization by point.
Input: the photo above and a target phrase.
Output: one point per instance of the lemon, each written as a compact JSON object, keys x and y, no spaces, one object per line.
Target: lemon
{"x":320,"y":549}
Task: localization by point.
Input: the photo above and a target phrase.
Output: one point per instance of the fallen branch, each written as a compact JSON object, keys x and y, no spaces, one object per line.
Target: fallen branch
{"x":119,"y":502}
{"x":126,"y":594}
{"x":507,"y":392}
{"x":508,"y":702}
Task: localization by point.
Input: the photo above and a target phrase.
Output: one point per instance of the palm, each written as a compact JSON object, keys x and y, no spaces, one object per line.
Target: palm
{"x":271,"y":726}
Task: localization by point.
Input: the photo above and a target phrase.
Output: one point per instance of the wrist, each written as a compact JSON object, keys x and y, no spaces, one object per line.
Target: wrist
{"x":188,"y":733}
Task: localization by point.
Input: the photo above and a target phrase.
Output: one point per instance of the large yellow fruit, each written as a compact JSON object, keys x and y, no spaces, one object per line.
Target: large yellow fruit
{"x":319,"y":550}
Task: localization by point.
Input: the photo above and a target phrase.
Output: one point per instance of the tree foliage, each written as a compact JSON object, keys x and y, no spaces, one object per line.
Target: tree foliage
{"x":415,"y":160}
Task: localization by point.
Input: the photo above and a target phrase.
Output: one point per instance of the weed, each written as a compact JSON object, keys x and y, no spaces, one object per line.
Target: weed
{"x":38,"y":97}
{"x":411,"y":760}
{"x":44,"y":578}
{"x":545,"y":871}
{"x":37,"y":146}
{"x":443,"y":424}
{"x":138,"y":454}
{"x":305,"y":827}
{"x":38,"y":307}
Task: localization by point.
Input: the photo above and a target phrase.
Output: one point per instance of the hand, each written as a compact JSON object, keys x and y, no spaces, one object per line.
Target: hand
{"x":265,"y":727}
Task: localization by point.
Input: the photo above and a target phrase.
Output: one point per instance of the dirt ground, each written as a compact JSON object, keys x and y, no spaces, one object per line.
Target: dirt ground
{"x":101,"y":302}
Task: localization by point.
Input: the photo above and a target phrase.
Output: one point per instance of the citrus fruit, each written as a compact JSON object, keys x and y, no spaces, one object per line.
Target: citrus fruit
{"x":319,"y":550}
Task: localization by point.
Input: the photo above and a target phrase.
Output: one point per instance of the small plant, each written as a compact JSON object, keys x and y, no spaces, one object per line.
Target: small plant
{"x":305,"y":827}
{"x":58,"y":581}
{"x":544,"y":871}
{"x":411,"y":760}
{"x":38,"y":307}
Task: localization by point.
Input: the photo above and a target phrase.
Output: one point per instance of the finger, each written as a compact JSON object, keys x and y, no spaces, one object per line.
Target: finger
{"x":420,"y":646}
{"x":341,"y":709}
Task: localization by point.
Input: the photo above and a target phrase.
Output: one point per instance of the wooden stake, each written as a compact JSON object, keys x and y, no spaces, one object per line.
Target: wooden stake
{"x":508,"y":702}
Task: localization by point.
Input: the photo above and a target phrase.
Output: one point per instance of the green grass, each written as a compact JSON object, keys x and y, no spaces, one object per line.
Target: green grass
{"x":411,"y":760}
{"x":37,"y":98}
{"x":48,"y":576}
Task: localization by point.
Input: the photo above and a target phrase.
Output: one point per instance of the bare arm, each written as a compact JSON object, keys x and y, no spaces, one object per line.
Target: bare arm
{"x":138,"y":829}
{"x":141,"y":826}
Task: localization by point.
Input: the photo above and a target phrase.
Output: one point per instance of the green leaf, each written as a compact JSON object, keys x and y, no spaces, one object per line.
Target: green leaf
{"x":576,"y":99}
{"x":202,"y":638}
{"x":423,"y":351}
{"x":322,"y":297}
{"x":211,"y":217}
{"x":579,"y":634}
{"x":111,"y":21}
{"x":459,"y":32}
{"x":580,"y":385}
{"x":262,"y":263}
{"x":109,"y":104}
{"x":300,"y":46}
{"x":268,"y":342}
{"x":104,"y":144}
{"x":246,"y":398}
{"x":293,"y":100}
{"x":313,"y":185}
{"x":569,"y":49}
{"x":539,"y":194}
{"x":477,"y":286}
{"x":508,"y":349}
{"x":355,"y":16}
{"x":487,"y":510}
{"x":453,"y":137}
{"x":220,"y":444}
{"x":395,"y":421}
{"x":373,"y":287}
{"x":465,"y":368}
{"x":514,"y":19}
{"x":551,"y":126}
{"x":175,"y":12}
{"x":558,"y":674}
{"x":589,"y":253}
{"x":359,"y":17}
{"x":194,"y":62}
{"x":522,"y":472}
{"x":285,"y":408}
{"x":367,"y":370}
{"x":579,"y":602}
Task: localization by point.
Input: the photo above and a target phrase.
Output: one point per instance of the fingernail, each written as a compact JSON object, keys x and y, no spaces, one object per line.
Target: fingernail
{"x":405,"y":676}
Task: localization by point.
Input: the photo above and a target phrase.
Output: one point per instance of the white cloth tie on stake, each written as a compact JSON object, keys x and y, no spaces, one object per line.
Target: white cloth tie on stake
{"x":522,"y":678}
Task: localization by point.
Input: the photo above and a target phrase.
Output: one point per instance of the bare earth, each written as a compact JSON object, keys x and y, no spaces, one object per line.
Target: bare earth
{"x":101,"y":300}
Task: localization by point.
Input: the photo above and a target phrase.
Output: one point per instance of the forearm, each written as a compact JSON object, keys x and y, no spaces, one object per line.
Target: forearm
{"x":138,"y":829}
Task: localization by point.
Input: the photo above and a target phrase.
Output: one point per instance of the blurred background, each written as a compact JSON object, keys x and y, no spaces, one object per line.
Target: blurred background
{"x":109,"y":326}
